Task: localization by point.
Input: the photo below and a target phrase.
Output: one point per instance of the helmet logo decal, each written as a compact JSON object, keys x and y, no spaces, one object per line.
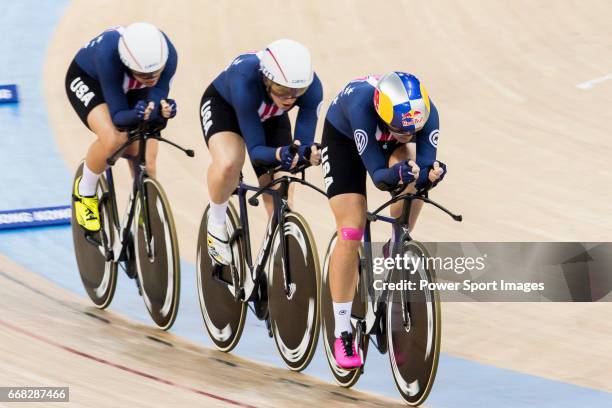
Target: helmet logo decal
{"x":413,"y":118}
{"x":277,"y":64}
{"x":361,"y":140}
{"x":433,"y":137}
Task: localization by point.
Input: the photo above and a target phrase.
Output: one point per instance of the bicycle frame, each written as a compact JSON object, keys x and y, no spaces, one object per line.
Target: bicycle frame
{"x":278,"y":218}
{"x":123,"y":226}
{"x":376,"y":304}
{"x":281,"y":206}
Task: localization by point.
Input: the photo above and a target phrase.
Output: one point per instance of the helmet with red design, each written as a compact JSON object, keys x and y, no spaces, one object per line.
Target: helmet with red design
{"x":287,"y":67}
{"x":143,"y":48}
{"x":402,"y":102}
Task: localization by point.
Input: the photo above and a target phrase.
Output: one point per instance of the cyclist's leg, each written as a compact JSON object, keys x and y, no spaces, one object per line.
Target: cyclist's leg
{"x":349,"y":212}
{"x":278,"y":133}
{"x":85,"y":96}
{"x":227,"y":153}
{"x":150,"y":159}
{"x":227,"y":150}
{"x":152,"y":149}
{"x":401,"y":153}
{"x":108,"y":139}
{"x":345,"y":177}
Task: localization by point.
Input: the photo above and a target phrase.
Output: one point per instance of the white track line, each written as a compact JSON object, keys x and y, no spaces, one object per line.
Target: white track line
{"x":589,"y":84}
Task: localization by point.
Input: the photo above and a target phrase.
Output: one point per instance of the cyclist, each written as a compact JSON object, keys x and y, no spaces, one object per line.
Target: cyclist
{"x":117,"y":80}
{"x":388,"y":126}
{"x":247,"y":104}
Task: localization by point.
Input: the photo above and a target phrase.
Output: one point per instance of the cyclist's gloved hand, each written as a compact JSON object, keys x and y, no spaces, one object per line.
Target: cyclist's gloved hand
{"x":140,"y":109}
{"x":312,"y":154}
{"x":408,"y":171}
{"x":436,"y":173}
{"x":288,"y":156}
{"x":168,"y":108}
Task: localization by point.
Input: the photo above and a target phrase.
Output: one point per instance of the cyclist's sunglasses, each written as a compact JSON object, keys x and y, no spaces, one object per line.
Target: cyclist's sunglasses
{"x":148,"y":75}
{"x":284,"y":92}
{"x":400,"y":132}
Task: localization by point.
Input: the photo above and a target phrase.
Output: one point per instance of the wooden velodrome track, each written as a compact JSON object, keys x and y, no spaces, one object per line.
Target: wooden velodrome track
{"x":527,"y":153}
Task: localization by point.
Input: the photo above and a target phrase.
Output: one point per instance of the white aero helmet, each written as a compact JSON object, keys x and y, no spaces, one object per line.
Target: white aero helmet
{"x":287,"y":63}
{"x":143,"y":48}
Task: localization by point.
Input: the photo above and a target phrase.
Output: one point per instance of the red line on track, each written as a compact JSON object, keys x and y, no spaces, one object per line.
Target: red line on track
{"x":122,"y":367}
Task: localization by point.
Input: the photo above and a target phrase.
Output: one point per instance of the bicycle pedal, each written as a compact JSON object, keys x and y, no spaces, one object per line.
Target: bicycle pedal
{"x":89,"y":238}
{"x":130,"y":269}
{"x":239,"y":295}
{"x":216,"y":269}
{"x":138,"y":285}
{"x":103,"y":199}
{"x":237,"y":232}
{"x":269,"y":327}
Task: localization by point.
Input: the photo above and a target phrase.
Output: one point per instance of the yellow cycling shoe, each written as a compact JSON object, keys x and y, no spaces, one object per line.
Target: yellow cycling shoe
{"x":86,"y":209}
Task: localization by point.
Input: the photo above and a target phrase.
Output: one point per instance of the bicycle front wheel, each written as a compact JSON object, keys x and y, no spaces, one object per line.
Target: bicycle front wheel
{"x":294,"y":313}
{"x":414,"y":329}
{"x":98,"y":275}
{"x":157,"y":254}
{"x":220,"y":287}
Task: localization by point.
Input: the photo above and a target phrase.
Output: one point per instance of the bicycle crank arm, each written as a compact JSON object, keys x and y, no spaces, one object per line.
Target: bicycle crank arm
{"x":237,"y":294}
{"x":108,"y":254}
{"x":360,"y":333}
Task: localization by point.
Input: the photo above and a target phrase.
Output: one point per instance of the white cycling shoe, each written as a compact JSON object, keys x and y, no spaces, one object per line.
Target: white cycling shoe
{"x":218,"y":244}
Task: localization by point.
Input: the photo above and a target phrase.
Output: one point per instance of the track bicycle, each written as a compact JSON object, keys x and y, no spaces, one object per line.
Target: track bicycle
{"x":281,"y":286}
{"x":143,"y":242}
{"x":405,"y":322}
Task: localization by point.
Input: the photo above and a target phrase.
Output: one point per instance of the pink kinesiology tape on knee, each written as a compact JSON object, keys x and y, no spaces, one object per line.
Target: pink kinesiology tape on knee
{"x":351,"y":234}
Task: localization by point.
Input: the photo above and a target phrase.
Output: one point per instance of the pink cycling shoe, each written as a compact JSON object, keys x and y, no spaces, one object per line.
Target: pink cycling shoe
{"x":345,"y":352}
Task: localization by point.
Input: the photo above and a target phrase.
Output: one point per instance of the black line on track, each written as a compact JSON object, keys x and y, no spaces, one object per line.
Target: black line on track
{"x":95,"y":316}
{"x":293,"y":382}
{"x":339,"y":394}
{"x":25,"y":285}
{"x":219,"y":360}
{"x":164,"y":342}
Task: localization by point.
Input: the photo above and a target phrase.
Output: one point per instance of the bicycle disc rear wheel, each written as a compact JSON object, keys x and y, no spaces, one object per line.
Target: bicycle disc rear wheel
{"x":414,"y":343}
{"x":99,"y":276}
{"x":159,"y":271}
{"x":223,"y":314}
{"x":294,"y":317}
{"x":345,"y":378}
